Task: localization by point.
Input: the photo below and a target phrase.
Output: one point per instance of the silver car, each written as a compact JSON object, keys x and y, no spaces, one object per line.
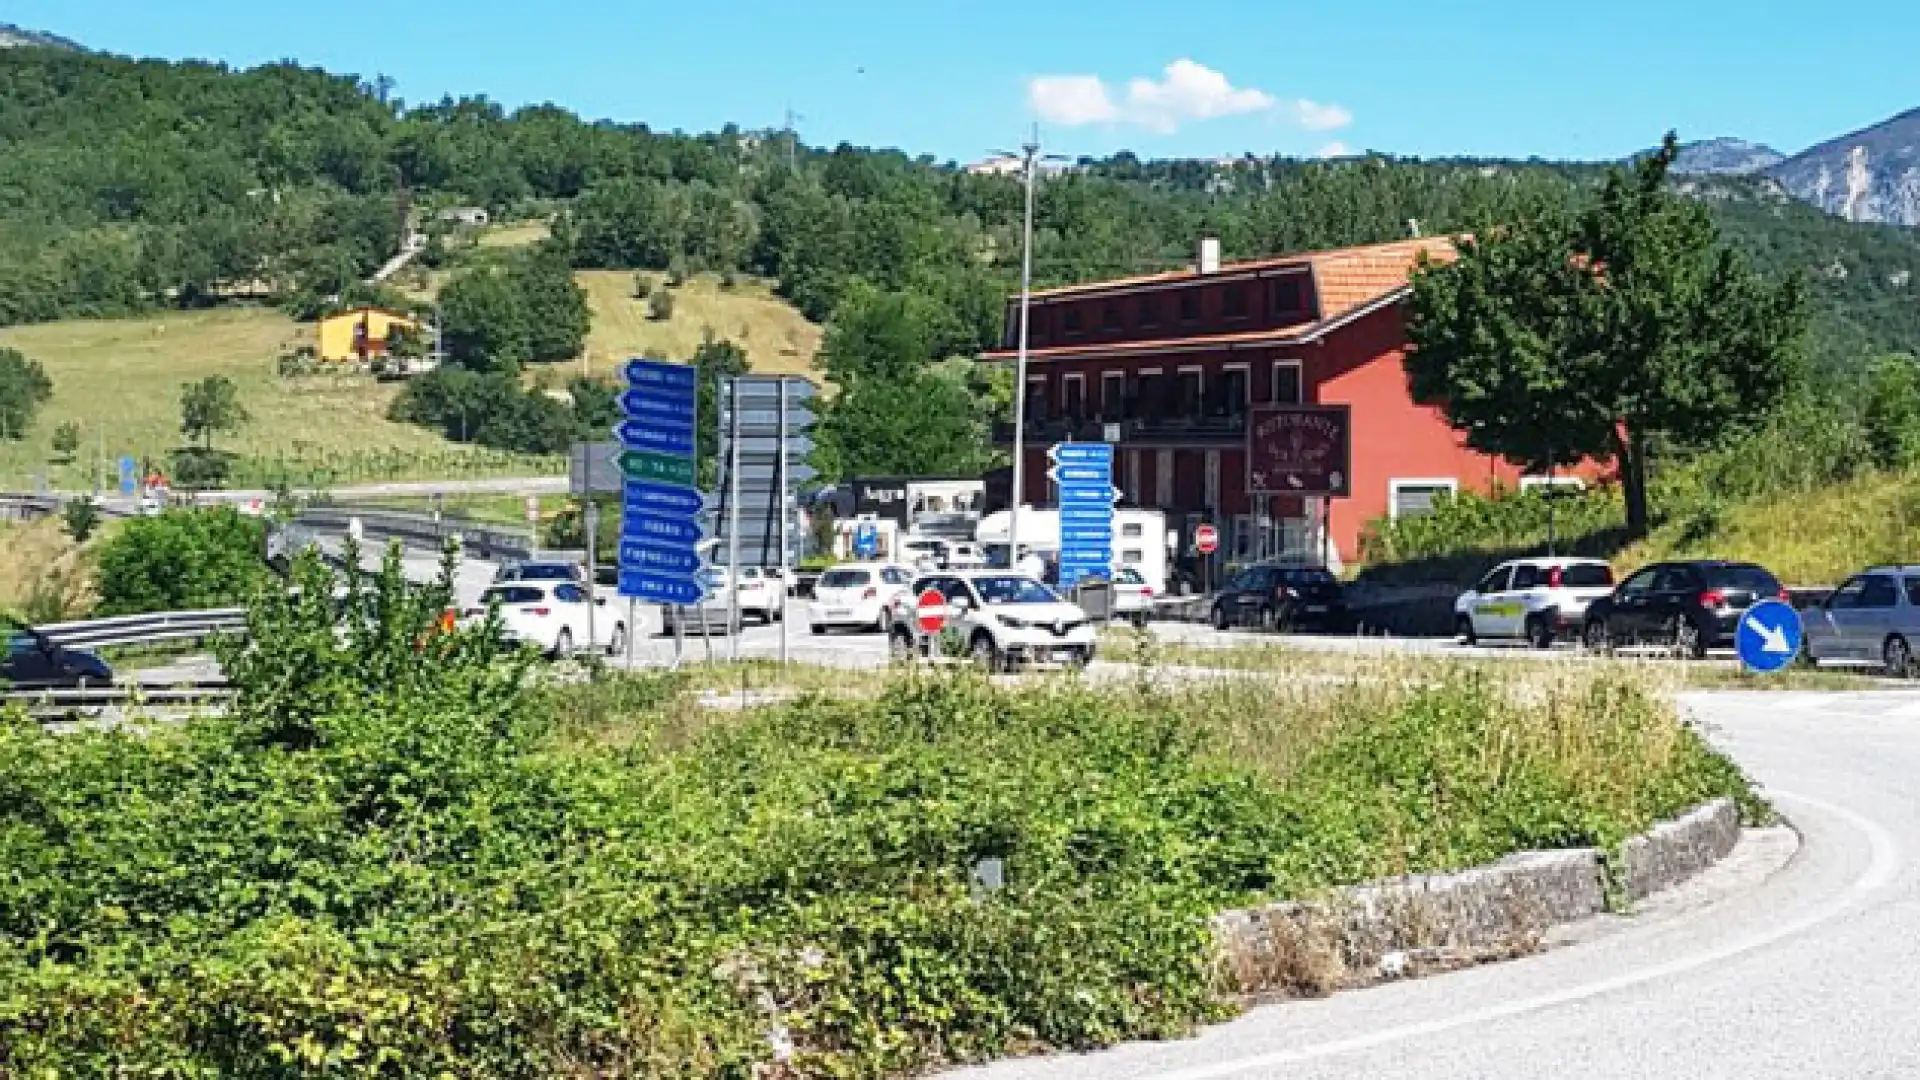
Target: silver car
{"x":1873,"y":618}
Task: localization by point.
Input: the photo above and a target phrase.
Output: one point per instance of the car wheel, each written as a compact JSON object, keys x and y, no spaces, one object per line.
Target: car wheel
{"x":779,"y":613}
{"x":817,"y":629}
{"x":1463,"y":629}
{"x":562,"y":643}
{"x":1539,"y":632}
{"x":1595,"y":637}
{"x":617,"y":644}
{"x":1220,"y":617}
{"x":1140,"y":619}
{"x":985,"y":656}
{"x":1269,"y":621}
{"x":1683,"y":637}
{"x":900,"y":644}
{"x":1898,"y":657}
{"x":884,"y":623}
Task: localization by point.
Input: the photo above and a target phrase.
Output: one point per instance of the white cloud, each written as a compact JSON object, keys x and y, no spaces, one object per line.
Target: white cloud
{"x":1317,"y":117}
{"x":1334,"y":149}
{"x":1186,"y":90}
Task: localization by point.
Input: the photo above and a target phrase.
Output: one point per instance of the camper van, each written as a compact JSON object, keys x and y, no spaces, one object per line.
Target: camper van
{"x":1139,"y":540}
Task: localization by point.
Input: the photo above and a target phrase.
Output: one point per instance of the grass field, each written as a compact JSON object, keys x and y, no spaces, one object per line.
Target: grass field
{"x":777,"y":338}
{"x":513,"y":234}
{"x":120,"y":380}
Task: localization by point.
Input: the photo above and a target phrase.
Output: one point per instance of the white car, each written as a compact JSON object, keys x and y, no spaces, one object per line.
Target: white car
{"x":858,"y":594}
{"x":1538,"y":601}
{"x":763,"y":593}
{"x":552,"y":616}
{"x":1132,"y":596}
{"x":1000,"y":619}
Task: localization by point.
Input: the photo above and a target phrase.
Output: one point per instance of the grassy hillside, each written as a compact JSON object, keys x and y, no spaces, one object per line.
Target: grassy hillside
{"x":777,"y":338}
{"x":120,"y":380}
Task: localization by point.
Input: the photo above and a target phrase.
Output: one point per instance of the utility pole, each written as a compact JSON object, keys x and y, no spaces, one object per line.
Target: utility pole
{"x":1031,"y":151}
{"x":793,"y":138}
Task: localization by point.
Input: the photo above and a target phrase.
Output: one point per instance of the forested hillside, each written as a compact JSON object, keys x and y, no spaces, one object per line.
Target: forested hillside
{"x":127,"y":184}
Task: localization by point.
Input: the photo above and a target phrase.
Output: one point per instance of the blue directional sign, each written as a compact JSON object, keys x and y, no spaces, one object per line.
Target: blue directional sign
{"x":866,"y":540}
{"x":655,"y":437}
{"x":661,"y":588}
{"x":129,"y":474}
{"x":1084,"y":474}
{"x":660,"y":529}
{"x":1096,"y":514}
{"x":1082,"y":454}
{"x":1768,"y":637}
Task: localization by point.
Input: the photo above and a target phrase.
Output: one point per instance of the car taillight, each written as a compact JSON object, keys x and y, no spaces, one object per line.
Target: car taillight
{"x":870,"y":593}
{"x":1786,"y":597}
{"x":1713,"y":598}
{"x":540,"y":611}
{"x":1146,"y":590}
{"x":1553,"y":578}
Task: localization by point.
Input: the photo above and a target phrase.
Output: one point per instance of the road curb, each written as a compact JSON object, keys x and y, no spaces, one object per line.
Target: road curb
{"x":1435,"y":922}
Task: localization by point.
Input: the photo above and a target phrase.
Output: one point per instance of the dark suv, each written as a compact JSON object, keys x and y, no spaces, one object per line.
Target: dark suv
{"x":1688,"y":607}
{"x":35,"y":662}
{"x":1281,"y":598}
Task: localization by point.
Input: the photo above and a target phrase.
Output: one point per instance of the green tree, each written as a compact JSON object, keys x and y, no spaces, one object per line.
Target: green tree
{"x":209,"y":406}
{"x":1586,"y":334}
{"x":66,"y":440}
{"x":24,"y":387}
{"x":181,"y":560}
{"x":1892,"y":411}
{"x":553,"y":304}
{"x":81,"y":517}
{"x":484,"y":323}
{"x":921,"y":424}
{"x":716,"y":360}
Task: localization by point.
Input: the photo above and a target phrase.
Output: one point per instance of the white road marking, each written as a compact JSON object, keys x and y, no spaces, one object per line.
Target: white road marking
{"x":1883,"y":866}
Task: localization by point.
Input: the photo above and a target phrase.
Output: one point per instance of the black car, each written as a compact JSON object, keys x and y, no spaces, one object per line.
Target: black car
{"x":1688,"y":607}
{"x":1281,"y":598}
{"x":35,"y":662}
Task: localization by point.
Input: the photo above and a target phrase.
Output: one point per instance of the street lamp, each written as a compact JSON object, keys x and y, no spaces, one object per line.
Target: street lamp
{"x":1030,"y":154}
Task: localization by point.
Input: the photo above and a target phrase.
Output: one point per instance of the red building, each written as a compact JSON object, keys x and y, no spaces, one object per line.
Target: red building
{"x":1167,"y":366}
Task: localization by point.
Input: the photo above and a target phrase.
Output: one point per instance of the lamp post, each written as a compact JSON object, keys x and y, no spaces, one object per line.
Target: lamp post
{"x":1030,"y":154}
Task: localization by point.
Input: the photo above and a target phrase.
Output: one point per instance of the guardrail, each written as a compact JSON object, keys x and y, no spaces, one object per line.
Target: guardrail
{"x":151,"y":629}
{"x":418,"y":530}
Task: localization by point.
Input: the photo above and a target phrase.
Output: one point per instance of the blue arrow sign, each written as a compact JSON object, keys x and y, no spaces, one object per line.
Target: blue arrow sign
{"x":1090,"y":512}
{"x":661,"y":588}
{"x":866,"y":541}
{"x":661,"y":374}
{"x":1086,"y":534}
{"x":1768,"y":637}
{"x":661,"y":498}
{"x":1086,"y":554}
{"x":1081,"y":474}
{"x":129,"y":474}
{"x":1086,"y":453}
{"x":671,"y":406}
{"x":1089,"y":494}
{"x":655,"y":437}
{"x":657,"y":558}
{"x":659,"y":528}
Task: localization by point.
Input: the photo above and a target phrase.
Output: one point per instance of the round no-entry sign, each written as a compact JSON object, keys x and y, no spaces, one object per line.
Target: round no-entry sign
{"x":1206,"y":539}
{"x":930,"y":611}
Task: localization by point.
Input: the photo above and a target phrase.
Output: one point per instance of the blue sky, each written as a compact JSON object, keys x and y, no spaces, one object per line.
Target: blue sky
{"x":1165,"y":78}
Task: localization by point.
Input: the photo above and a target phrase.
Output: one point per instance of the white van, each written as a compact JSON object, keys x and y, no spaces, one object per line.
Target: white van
{"x":1139,"y":540}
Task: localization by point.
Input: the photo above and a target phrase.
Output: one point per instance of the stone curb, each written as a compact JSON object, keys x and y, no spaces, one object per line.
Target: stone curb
{"x":1413,"y":925}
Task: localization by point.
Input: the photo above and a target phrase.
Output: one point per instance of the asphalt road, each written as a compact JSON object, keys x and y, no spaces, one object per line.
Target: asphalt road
{"x":1798,"y":968}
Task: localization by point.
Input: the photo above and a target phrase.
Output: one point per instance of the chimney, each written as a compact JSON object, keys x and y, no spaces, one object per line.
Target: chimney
{"x":1209,"y":262}
{"x":1413,"y":227}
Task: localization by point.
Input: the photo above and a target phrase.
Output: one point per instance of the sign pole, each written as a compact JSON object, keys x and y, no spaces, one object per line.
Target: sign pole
{"x":592,"y":516}
{"x":780,"y":493}
{"x":733,"y":517}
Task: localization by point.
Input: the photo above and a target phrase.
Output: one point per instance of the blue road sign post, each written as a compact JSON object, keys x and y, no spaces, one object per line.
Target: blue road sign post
{"x":866,"y":540}
{"x":1768,"y":637}
{"x":129,"y":474}
{"x":660,"y":529}
{"x":1083,"y":473}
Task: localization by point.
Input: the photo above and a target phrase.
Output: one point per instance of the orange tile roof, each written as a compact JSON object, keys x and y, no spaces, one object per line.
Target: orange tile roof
{"x":1403,"y":250}
{"x":1248,"y":337}
{"x":1348,"y":279}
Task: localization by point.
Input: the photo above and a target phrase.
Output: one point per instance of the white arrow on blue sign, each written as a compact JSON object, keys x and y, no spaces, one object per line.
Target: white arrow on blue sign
{"x":1081,"y":474}
{"x":670,"y":406}
{"x":658,"y":558}
{"x":1086,"y":553}
{"x":1081,"y":454}
{"x":661,"y":498}
{"x":656,"y":437}
{"x":1092,"y":534}
{"x":1084,"y":494}
{"x":1090,"y":512}
{"x":658,"y":528}
{"x":661,"y":374}
{"x":661,"y":588}
{"x":1768,"y":637}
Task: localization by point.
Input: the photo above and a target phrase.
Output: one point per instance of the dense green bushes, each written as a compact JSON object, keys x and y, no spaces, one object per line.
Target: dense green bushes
{"x":182,"y":560}
{"x":397,"y":857}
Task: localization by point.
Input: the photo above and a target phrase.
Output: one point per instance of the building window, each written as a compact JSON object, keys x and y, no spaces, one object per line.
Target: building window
{"x":1070,"y":321}
{"x":1212,"y":481}
{"x":1149,"y":311}
{"x":1233,"y":391}
{"x":1287,"y":297}
{"x":1191,"y":387}
{"x":1189,"y":306}
{"x":1113,"y":396}
{"x":1163,"y":479}
{"x":1036,"y":398}
{"x":1133,"y":477}
{"x":1074,"y":389}
{"x":1286,"y":383}
{"x":1412,"y":498}
{"x":1110,"y":317}
{"x":1233,"y":302}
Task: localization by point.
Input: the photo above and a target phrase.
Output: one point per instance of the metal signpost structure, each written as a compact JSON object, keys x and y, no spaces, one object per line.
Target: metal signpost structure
{"x":660,"y":532}
{"x":1083,"y":472}
{"x":764,"y":420}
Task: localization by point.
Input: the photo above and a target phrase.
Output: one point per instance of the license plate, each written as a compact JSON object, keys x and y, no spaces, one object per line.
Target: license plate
{"x":1316,"y":609}
{"x":836,"y":613}
{"x":1063,"y":656}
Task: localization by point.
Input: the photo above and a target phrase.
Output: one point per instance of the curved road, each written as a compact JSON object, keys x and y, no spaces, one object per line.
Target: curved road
{"x":1802,"y":967}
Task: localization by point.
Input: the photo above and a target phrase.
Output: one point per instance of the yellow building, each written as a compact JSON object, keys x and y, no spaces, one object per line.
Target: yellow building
{"x":362,"y":334}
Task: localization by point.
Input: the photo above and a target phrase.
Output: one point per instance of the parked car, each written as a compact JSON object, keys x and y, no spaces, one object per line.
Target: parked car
{"x":1279,"y":597}
{"x":859,"y":595}
{"x":541,"y":570}
{"x":1873,"y":618}
{"x":552,"y":616}
{"x":714,"y":614}
{"x":1689,"y":606}
{"x":1537,"y":600}
{"x":1001,"y":620}
{"x":1132,"y":596}
{"x":35,"y":662}
{"x":763,"y":593}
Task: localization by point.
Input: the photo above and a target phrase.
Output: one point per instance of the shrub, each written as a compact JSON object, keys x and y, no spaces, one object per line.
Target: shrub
{"x":181,"y":560}
{"x":660,"y":306}
{"x":24,"y":387}
{"x":81,"y":517}
{"x":642,"y":286}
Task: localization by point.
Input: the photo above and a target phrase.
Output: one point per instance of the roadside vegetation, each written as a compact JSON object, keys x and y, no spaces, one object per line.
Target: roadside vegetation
{"x":401,"y":855}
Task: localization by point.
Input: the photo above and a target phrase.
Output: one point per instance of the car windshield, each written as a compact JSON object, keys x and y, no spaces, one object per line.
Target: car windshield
{"x":1307,"y":577}
{"x":514,"y":594}
{"x":844,"y":579}
{"x":1127,"y":575}
{"x":1745,"y":578}
{"x":1013,"y":590}
{"x":545,"y":572}
{"x":1586,"y":576}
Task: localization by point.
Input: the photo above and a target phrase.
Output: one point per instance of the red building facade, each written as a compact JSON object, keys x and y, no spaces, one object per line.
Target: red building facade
{"x":1167,"y":366}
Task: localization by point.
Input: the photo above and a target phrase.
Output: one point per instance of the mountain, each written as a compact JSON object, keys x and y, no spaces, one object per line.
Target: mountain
{"x":1736,"y":157}
{"x":12,"y":36}
{"x":1871,"y":175}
